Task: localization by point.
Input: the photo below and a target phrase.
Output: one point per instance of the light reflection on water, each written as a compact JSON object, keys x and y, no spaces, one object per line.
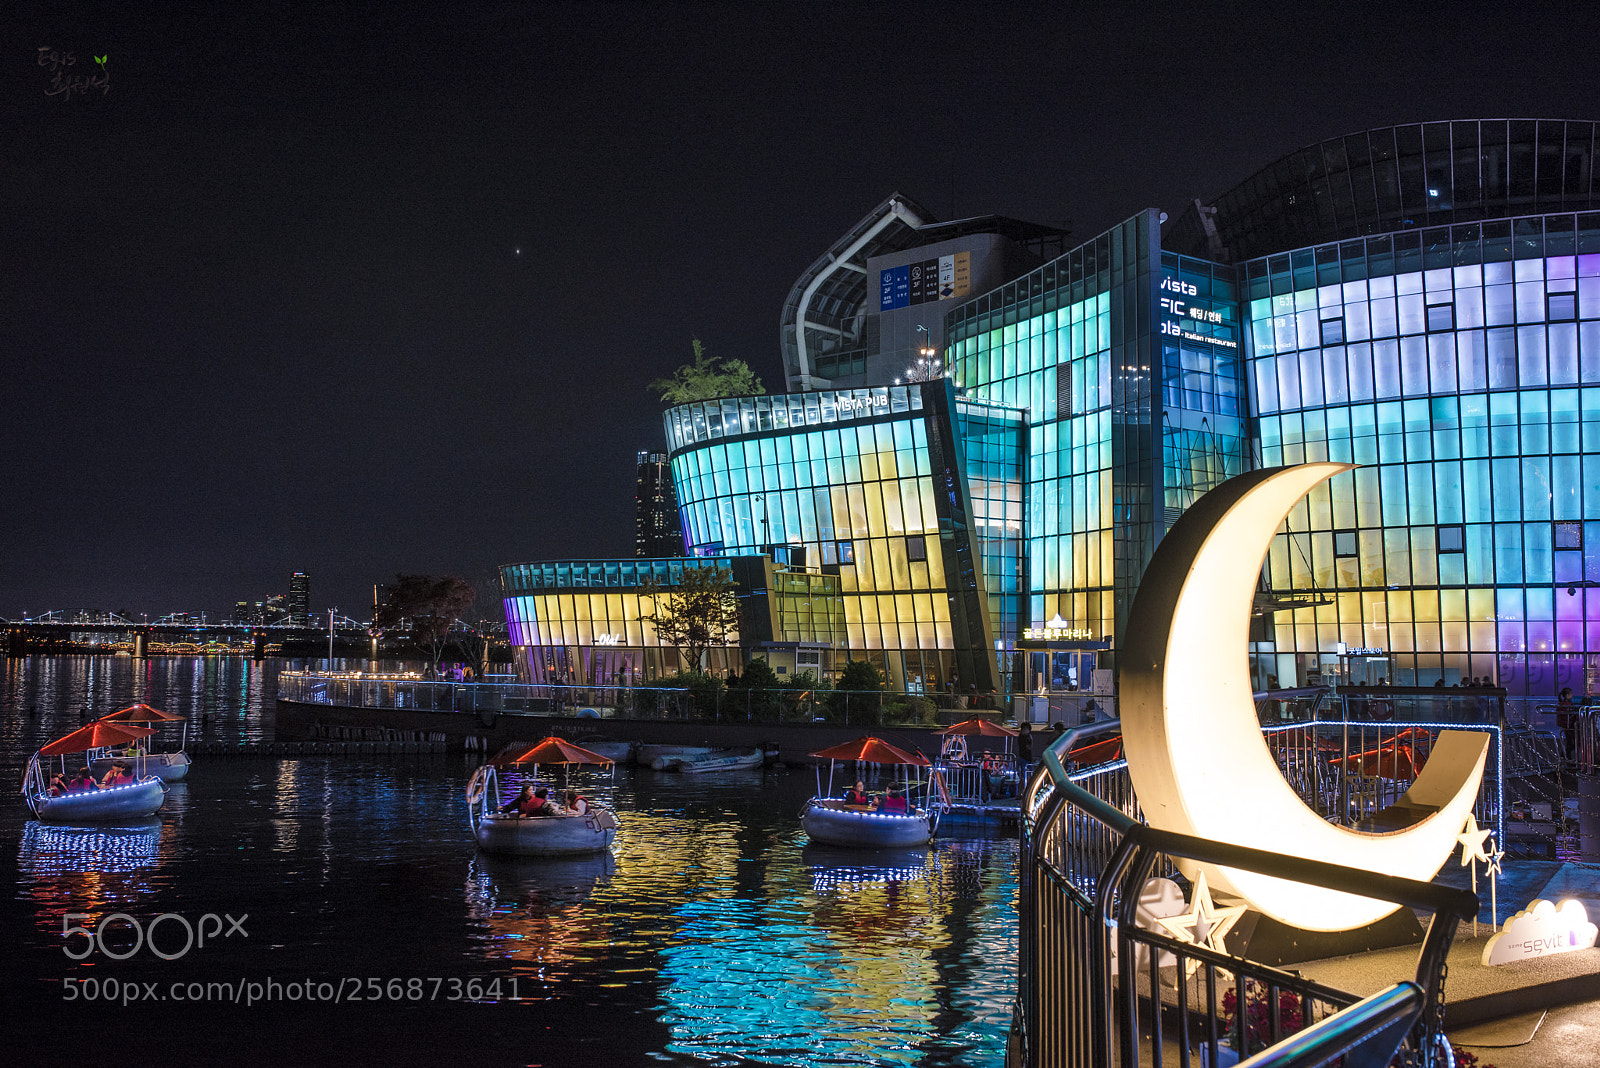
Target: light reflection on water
{"x":712,"y":935}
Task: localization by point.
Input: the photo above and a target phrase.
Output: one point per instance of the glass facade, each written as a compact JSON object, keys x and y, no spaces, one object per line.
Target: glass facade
{"x":868,"y":485}
{"x":1421,"y":301}
{"x":1127,"y":361}
{"x":578,"y":622}
{"x":1460,"y":368}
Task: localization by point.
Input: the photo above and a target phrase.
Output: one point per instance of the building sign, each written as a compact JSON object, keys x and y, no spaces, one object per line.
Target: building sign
{"x":1057,"y":634}
{"x":1540,"y":930}
{"x":1183,"y":318}
{"x":608,"y":639}
{"x":925,"y":282}
{"x":861,"y":404}
{"x":1343,"y":650}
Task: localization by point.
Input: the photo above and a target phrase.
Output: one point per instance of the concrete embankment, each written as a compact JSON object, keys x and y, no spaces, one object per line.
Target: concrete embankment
{"x":488,"y":732}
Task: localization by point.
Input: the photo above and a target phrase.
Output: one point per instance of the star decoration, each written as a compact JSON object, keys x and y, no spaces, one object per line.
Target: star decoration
{"x":1494,"y":857}
{"x":1204,"y":924}
{"x":1472,"y":841}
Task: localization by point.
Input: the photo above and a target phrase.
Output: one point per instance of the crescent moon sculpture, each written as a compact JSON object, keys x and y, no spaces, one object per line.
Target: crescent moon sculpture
{"x":1195,"y":752}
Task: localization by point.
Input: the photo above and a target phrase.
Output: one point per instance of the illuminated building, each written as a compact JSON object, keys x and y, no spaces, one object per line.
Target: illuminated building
{"x":1422,"y":301}
{"x":299,"y":603}
{"x":873,"y":304}
{"x":656,"y":529}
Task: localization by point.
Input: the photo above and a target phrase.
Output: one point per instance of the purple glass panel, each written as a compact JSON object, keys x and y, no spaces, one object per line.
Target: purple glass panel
{"x":1511,"y":636}
{"x":1512,"y":674}
{"x":1569,"y":636}
{"x":1541,"y":636}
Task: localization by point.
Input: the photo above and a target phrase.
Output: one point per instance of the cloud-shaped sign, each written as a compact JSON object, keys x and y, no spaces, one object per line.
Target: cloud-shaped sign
{"x":1540,"y":930}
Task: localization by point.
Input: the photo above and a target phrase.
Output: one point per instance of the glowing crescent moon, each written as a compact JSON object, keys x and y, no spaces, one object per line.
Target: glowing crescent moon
{"x":1195,"y":751}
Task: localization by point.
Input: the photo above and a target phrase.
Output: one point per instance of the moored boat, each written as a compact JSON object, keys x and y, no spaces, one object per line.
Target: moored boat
{"x":619,"y":752}
{"x":893,"y":822}
{"x":660,"y":757}
{"x":721,"y":760}
{"x":512,"y":833}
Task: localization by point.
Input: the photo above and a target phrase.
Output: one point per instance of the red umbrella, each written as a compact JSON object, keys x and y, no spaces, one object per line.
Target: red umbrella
{"x":555,"y":750}
{"x":140,"y":713}
{"x":1101,"y":752}
{"x":872,"y":750}
{"x":979,"y":725}
{"x":96,"y":735}
{"x":1393,"y":761}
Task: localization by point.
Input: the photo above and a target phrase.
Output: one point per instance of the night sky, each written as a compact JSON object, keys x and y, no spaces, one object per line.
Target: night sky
{"x":262,"y":308}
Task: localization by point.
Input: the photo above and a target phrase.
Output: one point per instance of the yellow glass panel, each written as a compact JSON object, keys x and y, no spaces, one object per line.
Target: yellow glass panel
{"x":941,"y":609}
{"x":908,"y":636}
{"x":904,"y":612}
{"x":1480,"y":608}
{"x":911,"y":505}
{"x":1483,"y":634}
{"x":869,"y":610}
{"x":893,"y":519}
{"x":935,"y":563}
{"x":1425,"y":605}
{"x":1453,"y":608}
{"x":1454,"y":635}
{"x":919,"y":574}
{"x":1427,"y":637}
{"x":869,"y":465}
{"x":888,"y":467}
{"x":876,"y":520}
{"x":927,"y":636}
{"x":899,"y":566}
{"x":945,"y":639}
{"x":1400,"y":606}
{"x":1402,"y":637}
{"x":883,"y":577}
{"x":852,"y":610}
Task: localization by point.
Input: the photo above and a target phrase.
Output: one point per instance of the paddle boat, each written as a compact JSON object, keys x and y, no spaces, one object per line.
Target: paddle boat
{"x":168,"y":767}
{"x":128,"y":801}
{"x":833,"y":820}
{"x":977,"y":776}
{"x":513,"y":834}
{"x":719,"y":760}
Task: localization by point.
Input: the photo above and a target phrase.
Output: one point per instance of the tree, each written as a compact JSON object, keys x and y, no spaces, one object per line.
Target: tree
{"x":707,"y":379}
{"x":423,"y":608}
{"x":702,"y":610}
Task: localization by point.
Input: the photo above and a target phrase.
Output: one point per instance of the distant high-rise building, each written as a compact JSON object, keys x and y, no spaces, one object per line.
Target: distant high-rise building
{"x":299,"y":599}
{"x":657,"y":530}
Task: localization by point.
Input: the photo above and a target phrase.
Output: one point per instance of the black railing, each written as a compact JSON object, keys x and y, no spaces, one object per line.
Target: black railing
{"x":1086,"y":860}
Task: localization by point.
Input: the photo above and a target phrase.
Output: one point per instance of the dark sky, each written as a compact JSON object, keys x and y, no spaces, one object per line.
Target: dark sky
{"x":261,"y":308}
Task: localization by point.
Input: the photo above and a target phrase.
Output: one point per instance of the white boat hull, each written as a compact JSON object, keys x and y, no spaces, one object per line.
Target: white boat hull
{"x":134,"y":801}
{"x":722,"y":760}
{"x":828,"y":821}
{"x":648,"y":755}
{"x":546,"y":836}
{"x":168,"y":767}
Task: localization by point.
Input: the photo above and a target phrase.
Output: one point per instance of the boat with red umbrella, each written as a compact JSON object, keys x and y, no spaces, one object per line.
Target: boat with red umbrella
{"x":906,"y":815}
{"x":125,"y":801}
{"x":168,"y":767}
{"x":517,"y":834}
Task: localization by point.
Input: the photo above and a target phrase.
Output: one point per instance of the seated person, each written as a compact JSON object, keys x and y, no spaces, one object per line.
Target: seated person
{"x":58,"y":784}
{"x":577,"y":804}
{"x":541,"y":805}
{"x":516,"y":805}
{"x":893,"y":801}
{"x":857,"y":794}
{"x":82,"y":779}
{"x":117,"y":775}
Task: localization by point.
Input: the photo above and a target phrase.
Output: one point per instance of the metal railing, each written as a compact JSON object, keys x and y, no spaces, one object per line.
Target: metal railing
{"x":713,"y":704}
{"x":1086,"y":860}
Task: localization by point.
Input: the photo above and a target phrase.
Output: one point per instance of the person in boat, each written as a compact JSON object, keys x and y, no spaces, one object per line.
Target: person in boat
{"x":577,"y":804}
{"x":857,"y":794}
{"x":117,"y":775}
{"x":517,"y":804}
{"x":894,"y":802}
{"x":82,"y":780}
{"x":58,"y":784}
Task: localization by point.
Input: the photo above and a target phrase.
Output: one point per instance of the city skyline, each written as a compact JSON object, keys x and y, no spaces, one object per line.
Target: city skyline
{"x":385,"y":296}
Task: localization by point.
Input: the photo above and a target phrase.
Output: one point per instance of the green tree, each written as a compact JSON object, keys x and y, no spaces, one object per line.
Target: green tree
{"x":423,"y":608}
{"x":702,"y":610}
{"x":847,"y":695}
{"x":707,"y":379}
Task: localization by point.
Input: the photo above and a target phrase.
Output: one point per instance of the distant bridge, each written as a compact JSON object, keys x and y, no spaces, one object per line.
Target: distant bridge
{"x":146,"y":639}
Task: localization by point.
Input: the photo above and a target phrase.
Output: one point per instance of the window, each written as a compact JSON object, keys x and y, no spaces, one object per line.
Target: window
{"x":1063,"y":390}
{"x":1569,"y":535}
{"x":1562,"y":306}
{"x":1441,"y":317}
{"x":1452,"y":539}
{"x":847,"y":552}
{"x":1333,"y":331}
{"x":917,"y":548}
{"x":1344,"y":543}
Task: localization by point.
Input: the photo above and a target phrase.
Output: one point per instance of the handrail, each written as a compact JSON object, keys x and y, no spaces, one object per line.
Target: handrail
{"x":1412,"y":893}
{"x":1366,"y":1021}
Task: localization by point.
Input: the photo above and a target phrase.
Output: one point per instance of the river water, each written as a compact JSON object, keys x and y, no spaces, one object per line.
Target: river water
{"x":352,"y":920}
